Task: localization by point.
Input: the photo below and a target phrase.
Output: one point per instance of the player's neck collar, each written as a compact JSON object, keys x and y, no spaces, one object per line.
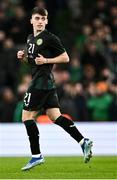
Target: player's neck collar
{"x":40,"y":33}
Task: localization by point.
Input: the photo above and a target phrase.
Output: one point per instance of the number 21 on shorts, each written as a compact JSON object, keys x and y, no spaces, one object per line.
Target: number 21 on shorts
{"x":27,"y":98}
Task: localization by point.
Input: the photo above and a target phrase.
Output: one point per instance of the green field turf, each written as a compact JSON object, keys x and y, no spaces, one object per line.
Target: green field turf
{"x":60,"y":168}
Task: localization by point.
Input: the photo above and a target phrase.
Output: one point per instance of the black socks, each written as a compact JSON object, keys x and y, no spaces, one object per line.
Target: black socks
{"x":69,"y":127}
{"x":33,"y":134}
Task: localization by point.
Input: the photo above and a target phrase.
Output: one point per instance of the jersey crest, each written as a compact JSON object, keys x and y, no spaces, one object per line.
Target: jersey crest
{"x":39,"y":41}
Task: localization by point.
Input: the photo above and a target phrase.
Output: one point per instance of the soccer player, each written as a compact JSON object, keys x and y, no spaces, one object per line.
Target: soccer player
{"x":43,"y":50}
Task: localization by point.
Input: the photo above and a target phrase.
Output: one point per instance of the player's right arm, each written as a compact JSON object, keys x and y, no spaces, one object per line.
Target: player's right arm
{"x":21,"y":55}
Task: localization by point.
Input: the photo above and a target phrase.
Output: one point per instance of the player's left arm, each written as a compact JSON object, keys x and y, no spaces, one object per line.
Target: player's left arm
{"x":59,"y":53}
{"x":62,"y":58}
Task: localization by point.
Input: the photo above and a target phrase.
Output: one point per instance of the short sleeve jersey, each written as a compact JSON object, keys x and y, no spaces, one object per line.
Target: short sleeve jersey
{"x":49,"y":46}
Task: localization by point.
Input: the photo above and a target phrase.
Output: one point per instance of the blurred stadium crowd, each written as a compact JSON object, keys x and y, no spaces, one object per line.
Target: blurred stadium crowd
{"x":87,"y":86}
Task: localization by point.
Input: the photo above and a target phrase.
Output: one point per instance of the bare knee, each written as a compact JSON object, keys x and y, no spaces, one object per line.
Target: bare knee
{"x":28,"y":115}
{"x":53,"y":113}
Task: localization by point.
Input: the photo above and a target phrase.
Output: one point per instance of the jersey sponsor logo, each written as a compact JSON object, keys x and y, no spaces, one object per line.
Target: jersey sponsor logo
{"x":39,"y":42}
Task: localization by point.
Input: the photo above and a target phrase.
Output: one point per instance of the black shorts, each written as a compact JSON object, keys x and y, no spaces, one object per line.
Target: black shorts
{"x":35,"y":99}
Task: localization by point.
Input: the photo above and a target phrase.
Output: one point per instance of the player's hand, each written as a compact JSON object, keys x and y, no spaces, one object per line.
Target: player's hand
{"x":40,"y":60}
{"x":21,"y":54}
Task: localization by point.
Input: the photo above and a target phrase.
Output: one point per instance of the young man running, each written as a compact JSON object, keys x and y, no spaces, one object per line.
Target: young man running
{"x":44,"y":49}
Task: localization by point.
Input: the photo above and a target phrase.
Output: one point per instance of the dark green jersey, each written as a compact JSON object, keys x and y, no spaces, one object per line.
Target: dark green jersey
{"x":49,"y":46}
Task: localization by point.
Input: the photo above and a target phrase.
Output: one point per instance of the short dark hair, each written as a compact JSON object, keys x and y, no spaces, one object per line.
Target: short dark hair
{"x":41,"y":11}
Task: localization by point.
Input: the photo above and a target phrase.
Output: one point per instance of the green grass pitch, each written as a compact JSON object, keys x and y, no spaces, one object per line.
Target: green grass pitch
{"x":60,"y":168}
